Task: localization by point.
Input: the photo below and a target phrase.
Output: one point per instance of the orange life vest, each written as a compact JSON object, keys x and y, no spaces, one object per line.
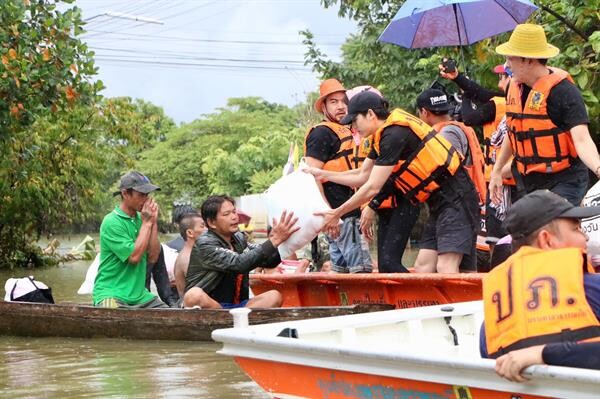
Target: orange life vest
{"x":419,"y":175}
{"x":361,"y":152}
{"x":538,"y":144}
{"x":477,"y":168}
{"x":536,"y":297}
{"x":341,"y":161}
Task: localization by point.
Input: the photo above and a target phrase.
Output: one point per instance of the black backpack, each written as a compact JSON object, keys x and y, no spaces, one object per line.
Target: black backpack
{"x":40,"y":295}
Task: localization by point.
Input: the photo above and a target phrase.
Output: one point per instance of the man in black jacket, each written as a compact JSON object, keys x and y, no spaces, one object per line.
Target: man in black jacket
{"x":221,"y":259}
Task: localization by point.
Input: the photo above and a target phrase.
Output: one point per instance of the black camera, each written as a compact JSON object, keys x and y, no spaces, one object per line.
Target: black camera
{"x":449,"y":65}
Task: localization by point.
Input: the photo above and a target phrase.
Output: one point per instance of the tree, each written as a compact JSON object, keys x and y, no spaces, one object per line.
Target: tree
{"x":402,"y":73}
{"x":62,"y":146}
{"x":237,"y":150}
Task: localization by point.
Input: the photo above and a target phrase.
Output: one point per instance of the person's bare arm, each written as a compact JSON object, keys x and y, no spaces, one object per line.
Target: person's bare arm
{"x":350,"y":178}
{"x":586,"y":148}
{"x":377,"y":179}
{"x":181,"y":265}
{"x":154,"y":243}
{"x":143,"y":238}
{"x":509,"y":366}
{"x":502,"y":158}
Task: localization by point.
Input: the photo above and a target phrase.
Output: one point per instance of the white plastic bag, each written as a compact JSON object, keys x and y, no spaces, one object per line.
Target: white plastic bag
{"x":591,"y":226}
{"x":87,"y":287}
{"x":297,"y":192}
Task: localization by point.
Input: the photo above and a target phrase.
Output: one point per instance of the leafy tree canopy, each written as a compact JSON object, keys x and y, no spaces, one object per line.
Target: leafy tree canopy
{"x":62,"y":145}
{"x":238,"y":149}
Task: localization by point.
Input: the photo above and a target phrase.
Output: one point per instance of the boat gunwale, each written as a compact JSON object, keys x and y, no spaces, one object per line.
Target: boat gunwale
{"x":246,"y":343}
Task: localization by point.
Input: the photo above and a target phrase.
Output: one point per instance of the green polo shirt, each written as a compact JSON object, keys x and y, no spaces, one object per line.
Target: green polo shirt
{"x":117,"y":278}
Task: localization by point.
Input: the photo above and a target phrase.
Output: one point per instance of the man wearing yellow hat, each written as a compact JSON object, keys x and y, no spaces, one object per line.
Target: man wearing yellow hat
{"x":547,"y":120}
{"x":329,"y":146}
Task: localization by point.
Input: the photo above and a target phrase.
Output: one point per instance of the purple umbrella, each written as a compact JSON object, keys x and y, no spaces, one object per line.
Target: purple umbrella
{"x":437,"y":23}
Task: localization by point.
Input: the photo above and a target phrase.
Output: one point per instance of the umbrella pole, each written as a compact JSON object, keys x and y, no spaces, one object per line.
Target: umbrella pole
{"x":462,"y":57}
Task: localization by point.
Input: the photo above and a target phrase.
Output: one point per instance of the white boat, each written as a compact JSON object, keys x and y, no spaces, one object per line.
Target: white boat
{"x":429,"y":352}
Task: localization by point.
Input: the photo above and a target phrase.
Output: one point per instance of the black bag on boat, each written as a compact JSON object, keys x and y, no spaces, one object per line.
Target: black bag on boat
{"x":28,"y":291}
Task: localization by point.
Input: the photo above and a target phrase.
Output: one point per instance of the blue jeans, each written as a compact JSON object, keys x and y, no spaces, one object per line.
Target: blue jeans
{"x":349,"y":253}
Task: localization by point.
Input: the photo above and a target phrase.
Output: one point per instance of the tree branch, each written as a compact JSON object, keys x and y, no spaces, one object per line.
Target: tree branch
{"x":565,"y":21}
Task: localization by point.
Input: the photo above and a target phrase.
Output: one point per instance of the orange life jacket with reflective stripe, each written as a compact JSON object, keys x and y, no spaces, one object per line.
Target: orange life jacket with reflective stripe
{"x":341,"y":161}
{"x":420,"y":175}
{"x":361,"y":152}
{"x":477,"y":168}
{"x":536,"y":297}
{"x":538,"y":144}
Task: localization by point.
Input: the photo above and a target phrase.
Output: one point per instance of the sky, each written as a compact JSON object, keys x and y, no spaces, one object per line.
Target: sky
{"x":205,"y":51}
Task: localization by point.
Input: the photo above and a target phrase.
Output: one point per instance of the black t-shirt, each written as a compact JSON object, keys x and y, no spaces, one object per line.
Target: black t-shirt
{"x":322,"y":144}
{"x":398,"y":143}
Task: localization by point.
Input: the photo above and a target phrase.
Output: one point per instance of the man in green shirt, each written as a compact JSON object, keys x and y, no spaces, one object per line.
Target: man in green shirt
{"x":128,"y":239}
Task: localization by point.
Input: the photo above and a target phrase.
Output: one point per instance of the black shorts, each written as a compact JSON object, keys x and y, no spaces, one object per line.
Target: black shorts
{"x":452,"y":227}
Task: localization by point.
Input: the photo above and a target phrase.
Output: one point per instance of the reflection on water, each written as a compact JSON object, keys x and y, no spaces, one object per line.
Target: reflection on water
{"x":78,"y":368}
{"x":110,"y":368}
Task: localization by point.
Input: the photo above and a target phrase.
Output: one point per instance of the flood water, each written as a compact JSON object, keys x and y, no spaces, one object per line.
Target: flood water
{"x":111,"y":368}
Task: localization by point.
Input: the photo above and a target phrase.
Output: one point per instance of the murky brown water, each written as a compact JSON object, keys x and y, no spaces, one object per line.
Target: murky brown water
{"x":110,"y":368}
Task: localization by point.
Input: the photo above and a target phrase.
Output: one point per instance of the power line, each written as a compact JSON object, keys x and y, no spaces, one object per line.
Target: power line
{"x":184,"y":39}
{"x":195,"y":56}
{"x":201,"y":65}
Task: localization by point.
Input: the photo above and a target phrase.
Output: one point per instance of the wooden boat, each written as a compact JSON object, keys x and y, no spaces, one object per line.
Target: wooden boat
{"x":403,"y":290}
{"x":430,"y":352}
{"x":78,"y":321}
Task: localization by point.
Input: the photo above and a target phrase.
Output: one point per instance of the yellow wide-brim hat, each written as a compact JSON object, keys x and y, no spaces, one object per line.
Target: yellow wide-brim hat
{"x":528,"y":41}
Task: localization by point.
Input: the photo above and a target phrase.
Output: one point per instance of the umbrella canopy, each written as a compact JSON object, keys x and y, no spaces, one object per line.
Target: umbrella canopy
{"x":438,"y":23}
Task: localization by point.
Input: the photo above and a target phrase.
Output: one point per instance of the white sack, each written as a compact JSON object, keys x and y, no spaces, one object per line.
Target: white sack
{"x":297,"y":192}
{"x":591,"y":226}
{"x":88,"y":284}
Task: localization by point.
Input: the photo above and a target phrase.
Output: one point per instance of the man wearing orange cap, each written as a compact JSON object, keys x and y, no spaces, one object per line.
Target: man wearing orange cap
{"x":329,"y":146}
{"x":547,"y":121}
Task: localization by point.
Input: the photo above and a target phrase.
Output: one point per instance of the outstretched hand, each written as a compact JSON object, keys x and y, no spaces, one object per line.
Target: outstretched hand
{"x":331,"y":224}
{"x":284,"y":228}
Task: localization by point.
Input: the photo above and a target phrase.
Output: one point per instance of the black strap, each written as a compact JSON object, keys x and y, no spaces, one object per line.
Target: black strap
{"x":518,"y":115}
{"x":12,"y":292}
{"x":522,"y":135}
{"x":566,"y":335}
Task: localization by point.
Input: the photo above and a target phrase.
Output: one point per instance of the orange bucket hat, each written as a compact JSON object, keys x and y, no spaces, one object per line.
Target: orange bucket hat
{"x":327,"y":87}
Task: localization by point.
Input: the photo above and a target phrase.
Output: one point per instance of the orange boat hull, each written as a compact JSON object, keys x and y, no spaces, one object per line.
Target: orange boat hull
{"x":300,"y":381}
{"x":406,"y":290}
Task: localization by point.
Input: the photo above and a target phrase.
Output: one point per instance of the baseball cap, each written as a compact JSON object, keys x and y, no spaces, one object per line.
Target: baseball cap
{"x":361,"y":103}
{"x":434,"y":100}
{"x":136,"y":181}
{"x":499,"y":68}
{"x":539,"y":208}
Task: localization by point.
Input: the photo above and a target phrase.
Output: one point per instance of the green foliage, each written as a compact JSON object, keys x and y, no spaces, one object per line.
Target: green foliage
{"x":237,"y":150}
{"x":403,"y":73}
{"x":44,"y":73}
{"x":62,"y":146}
